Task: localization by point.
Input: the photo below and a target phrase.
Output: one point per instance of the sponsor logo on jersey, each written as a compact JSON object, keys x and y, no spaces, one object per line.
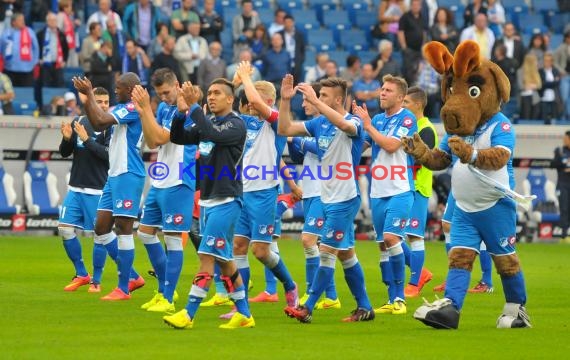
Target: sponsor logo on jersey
{"x":130,"y":106}
{"x":506,"y":127}
{"x":121,"y":113}
{"x":408,"y":122}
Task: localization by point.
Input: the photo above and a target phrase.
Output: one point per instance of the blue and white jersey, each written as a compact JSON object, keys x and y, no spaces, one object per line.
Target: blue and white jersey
{"x":392,"y":172}
{"x":470,"y":193}
{"x":339,"y":153}
{"x":125,"y":145}
{"x":311,"y":187}
{"x":262,"y":153}
{"x":176,"y":157}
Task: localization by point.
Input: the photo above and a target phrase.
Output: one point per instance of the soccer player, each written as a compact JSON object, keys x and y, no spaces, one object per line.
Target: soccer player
{"x":163,"y":207}
{"x":305,"y":150}
{"x":416,"y":101}
{"x":339,"y":138}
{"x":392,"y":186}
{"x":120,"y":201}
{"x":221,"y":142}
{"x":262,"y":151}
{"x":88,"y":176}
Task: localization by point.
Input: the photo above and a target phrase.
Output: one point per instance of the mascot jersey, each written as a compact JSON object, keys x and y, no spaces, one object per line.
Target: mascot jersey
{"x":470,"y":193}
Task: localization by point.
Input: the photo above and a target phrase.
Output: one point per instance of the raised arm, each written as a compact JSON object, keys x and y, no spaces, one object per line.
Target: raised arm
{"x":286,"y":126}
{"x":154,"y":134}
{"x":387,"y":143}
{"x":67,"y":141}
{"x":99,"y":119}
{"x":244,"y":71}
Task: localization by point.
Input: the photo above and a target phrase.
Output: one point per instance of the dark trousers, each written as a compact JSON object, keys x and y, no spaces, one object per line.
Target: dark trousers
{"x":564,"y":203}
{"x":548,"y":111}
{"x":528,"y":109}
{"x":23,"y":79}
{"x":51,"y":77}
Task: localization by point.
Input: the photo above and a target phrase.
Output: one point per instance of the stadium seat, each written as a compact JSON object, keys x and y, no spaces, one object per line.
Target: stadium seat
{"x":528,"y":22}
{"x":320,"y":7}
{"x":7,"y":194}
{"x":353,"y":6}
{"x":225,"y":4}
{"x":69,"y":73}
{"x":558,"y":22}
{"x":40,"y":189}
{"x":353,"y":40}
{"x":321,"y":40}
{"x":337,"y":21}
{"x":266,"y":16}
{"x":297,"y":107}
{"x":261,"y":4}
{"x":367,"y":56}
{"x":556,"y":40}
{"x":305,"y":19}
{"x":365,"y":20}
{"x":49,"y":93}
{"x":545,"y":206}
{"x":24,"y":107}
{"x":228,"y":13}
{"x":289,"y":5}
{"x":339,"y":56}
{"x":545,"y":6}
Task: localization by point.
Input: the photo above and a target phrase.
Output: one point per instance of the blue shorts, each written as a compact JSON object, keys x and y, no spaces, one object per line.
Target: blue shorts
{"x":338,"y":230}
{"x":257,"y":220}
{"x":79,"y":210}
{"x":449,"y":208}
{"x":218,"y":231}
{"x":390,"y":214}
{"x":122,"y":195}
{"x":169,"y":208}
{"x":496,"y":227}
{"x":416,"y":226}
{"x":314,"y":216}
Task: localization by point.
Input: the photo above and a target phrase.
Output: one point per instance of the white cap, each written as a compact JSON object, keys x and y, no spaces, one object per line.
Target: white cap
{"x":69,"y":96}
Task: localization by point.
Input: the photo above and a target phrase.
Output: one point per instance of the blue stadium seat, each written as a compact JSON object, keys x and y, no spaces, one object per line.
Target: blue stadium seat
{"x":289,"y":5}
{"x":558,"y":22}
{"x":545,"y":206}
{"x":225,"y":4}
{"x":266,"y":16}
{"x":24,"y":107}
{"x":229,"y":13}
{"x":40,"y":189}
{"x":7,"y":194}
{"x":261,"y":4}
{"x":69,"y":73}
{"x":321,"y":40}
{"x":366,"y":57}
{"x":23,"y":93}
{"x":556,"y":40}
{"x":446,"y":3}
{"x":339,"y":57}
{"x":321,"y":6}
{"x":353,"y":40}
{"x":516,"y":6}
{"x":49,"y":93}
{"x":337,"y":21}
{"x":528,"y":22}
{"x":545,"y":6}
{"x":365,"y":20}
{"x":457,"y":8}
{"x":310,"y":58}
{"x":306,"y":19}
{"x":353,"y":6}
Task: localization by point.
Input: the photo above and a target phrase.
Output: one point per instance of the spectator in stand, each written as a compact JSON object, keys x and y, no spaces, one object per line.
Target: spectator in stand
{"x":157,"y":43}
{"x":562,"y":62}
{"x":366,"y":90}
{"x":102,"y":67}
{"x":6,"y":95}
{"x":537,"y":46}
{"x":244,"y":24}
{"x":331,"y":70}
{"x":444,"y":30}
{"x":190,"y":49}
{"x":118,"y":39}
{"x":389,"y":14}
{"x":529,"y":82}
{"x":244,"y":55}
{"x":139,"y":22}
{"x":212,"y":67}
{"x":429,"y":81}
{"x":562,"y":165}
{"x":513,"y":44}
{"x":412,"y":35}
{"x":53,"y":53}
{"x":496,"y":14}
{"x":471,"y":11}
{"x":67,"y":22}
{"x":276,"y":62}
{"x":182,"y":17}
{"x":136,"y":61}
{"x":7,"y":9}
{"x":56,"y":107}
{"x":212,"y":23}
{"x":549,"y":92}
{"x":71,"y":106}
{"x":166,"y":59}
{"x":259,"y":44}
{"x":20,"y":49}
{"x":383,"y":64}
{"x":429,"y":8}
{"x":295,"y":45}
{"x":278,"y":23}
{"x":508,"y":65}
{"x":352,"y":70}
{"x":90,"y":44}
{"x":103,"y":15}
{"x":317,"y":71}
{"x":39,"y":10}
{"x":481,"y":34}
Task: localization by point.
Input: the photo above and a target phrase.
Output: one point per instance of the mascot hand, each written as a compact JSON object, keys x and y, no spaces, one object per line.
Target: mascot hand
{"x":415,"y":146}
{"x":461,"y":149}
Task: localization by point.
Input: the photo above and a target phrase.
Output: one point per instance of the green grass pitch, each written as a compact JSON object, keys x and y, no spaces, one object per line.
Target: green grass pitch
{"x":41,"y":321}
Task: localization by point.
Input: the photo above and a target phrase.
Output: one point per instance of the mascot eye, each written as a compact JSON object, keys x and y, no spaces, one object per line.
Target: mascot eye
{"x":474,"y":92}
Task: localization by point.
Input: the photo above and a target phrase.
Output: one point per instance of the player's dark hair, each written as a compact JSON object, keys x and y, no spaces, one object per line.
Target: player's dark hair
{"x":336,"y":82}
{"x":100,"y":91}
{"x":222,"y":81}
{"x":243,"y":98}
{"x":317,"y":87}
{"x":162,"y":76}
{"x":351,"y":60}
{"x":567,"y":133}
{"x":418,"y":94}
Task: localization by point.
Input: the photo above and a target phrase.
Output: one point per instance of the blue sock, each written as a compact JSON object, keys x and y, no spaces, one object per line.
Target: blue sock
{"x":270,"y":281}
{"x":514,"y":288}
{"x":99,"y":258}
{"x":239,"y":299}
{"x":417,"y":259}
{"x":486,"y":267}
{"x":197,"y":294}
{"x":407,"y":253}
{"x":330,"y":291}
{"x":133,"y":274}
{"x":322,"y":279}
{"x":157,"y":257}
{"x":174,"y":261}
{"x":220,"y":288}
{"x":73,"y":250}
{"x":355,"y":280}
{"x":311,"y":266}
{"x":112,"y":249}
{"x":456,"y":286}
{"x":387,"y":276}
{"x":282,"y":273}
{"x":398,"y":269}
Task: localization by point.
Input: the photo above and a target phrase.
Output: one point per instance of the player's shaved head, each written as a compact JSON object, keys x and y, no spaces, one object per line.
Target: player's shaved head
{"x":125,"y":86}
{"x":130,"y":79}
